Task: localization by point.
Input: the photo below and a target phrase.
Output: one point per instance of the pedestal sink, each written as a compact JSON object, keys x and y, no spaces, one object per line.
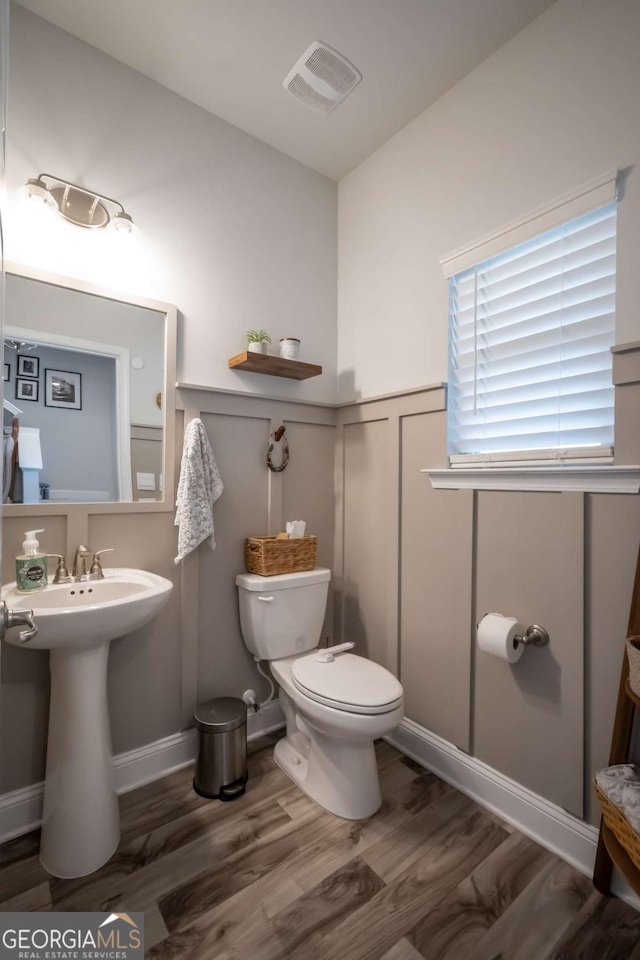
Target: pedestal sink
{"x":76,"y":623}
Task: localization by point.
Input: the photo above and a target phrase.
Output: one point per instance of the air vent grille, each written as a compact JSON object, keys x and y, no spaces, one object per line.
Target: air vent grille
{"x":321,"y":78}
{"x":306,"y":94}
{"x":334,"y":70}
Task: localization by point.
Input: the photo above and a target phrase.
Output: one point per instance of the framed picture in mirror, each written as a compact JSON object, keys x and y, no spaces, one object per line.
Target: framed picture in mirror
{"x":6,"y":372}
{"x":28,"y":366}
{"x":63,"y":389}
{"x":27,"y":389}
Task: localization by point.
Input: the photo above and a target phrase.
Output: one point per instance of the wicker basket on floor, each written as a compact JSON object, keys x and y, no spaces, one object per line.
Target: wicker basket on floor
{"x":633,"y":656}
{"x":620,"y":827}
{"x":269,"y":557}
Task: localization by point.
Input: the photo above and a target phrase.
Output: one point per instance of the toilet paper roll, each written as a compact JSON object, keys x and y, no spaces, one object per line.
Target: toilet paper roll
{"x":496,"y":635}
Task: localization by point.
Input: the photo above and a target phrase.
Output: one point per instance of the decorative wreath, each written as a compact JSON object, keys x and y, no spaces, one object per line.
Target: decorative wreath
{"x":276,"y":437}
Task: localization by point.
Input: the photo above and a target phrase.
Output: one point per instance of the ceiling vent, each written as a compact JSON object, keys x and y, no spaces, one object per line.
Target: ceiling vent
{"x":321,"y":78}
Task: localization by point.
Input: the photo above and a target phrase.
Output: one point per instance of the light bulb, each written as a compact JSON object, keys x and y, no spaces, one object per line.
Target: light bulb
{"x":123,"y":223}
{"x":36,"y":191}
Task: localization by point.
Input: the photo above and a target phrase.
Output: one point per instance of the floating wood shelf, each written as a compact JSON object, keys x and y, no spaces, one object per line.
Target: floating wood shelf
{"x":274,"y":366}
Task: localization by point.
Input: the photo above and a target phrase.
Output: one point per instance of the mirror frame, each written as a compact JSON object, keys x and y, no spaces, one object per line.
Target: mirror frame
{"x":49,"y":509}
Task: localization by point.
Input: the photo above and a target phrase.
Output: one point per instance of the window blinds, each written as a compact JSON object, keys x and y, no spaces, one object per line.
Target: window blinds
{"x":530,"y":337}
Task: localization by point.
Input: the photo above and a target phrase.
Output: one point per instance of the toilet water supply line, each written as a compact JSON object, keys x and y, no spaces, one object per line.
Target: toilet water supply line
{"x":249,"y":696}
{"x":268,"y":679}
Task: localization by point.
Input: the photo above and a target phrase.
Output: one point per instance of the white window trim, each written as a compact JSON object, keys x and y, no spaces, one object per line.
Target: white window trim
{"x":552,"y":479}
{"x":589,"y":196}
{"x":595,"y":193}
{"x":534,"y":458}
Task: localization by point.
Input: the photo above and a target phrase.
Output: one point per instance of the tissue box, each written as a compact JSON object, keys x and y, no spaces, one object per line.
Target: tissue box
{"x":269,"y":557}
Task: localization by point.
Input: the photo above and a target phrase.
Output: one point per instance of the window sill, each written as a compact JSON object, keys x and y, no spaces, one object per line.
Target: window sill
{"x":584,"y":479}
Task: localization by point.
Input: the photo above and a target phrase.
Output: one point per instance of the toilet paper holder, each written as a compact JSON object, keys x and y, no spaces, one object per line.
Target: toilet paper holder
{"x":534,"y":636}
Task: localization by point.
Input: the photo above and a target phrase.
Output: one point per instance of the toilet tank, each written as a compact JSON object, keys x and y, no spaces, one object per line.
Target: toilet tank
{"x":283,"y":615}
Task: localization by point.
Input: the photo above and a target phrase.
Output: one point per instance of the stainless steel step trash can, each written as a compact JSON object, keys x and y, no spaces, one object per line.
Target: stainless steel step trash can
{"x":221,"y":767}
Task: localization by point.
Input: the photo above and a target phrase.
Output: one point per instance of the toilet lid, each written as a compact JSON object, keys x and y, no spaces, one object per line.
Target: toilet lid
{"x":348,"y":683}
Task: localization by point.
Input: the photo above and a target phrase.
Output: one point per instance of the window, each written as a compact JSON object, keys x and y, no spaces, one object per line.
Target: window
{"x":530,"y":335}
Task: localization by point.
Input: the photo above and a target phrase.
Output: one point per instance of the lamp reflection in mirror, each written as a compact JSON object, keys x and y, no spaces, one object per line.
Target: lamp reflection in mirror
{"x":24,"y":345}
{"x":30,"y":460}
{"x":77,"y":205}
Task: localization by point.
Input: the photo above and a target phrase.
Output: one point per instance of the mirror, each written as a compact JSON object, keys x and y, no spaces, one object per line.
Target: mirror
{"x":84,"y":381}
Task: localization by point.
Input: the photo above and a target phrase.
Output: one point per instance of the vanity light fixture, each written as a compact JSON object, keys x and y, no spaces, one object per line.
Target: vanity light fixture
{"x":23,"y":345}
{"x":79,"y":206}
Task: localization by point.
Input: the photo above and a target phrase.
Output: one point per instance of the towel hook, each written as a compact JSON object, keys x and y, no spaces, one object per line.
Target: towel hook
{"x":276,"y":437}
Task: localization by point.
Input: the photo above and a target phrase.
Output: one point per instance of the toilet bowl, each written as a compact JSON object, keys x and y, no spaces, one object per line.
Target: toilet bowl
{"x":335,"y":703}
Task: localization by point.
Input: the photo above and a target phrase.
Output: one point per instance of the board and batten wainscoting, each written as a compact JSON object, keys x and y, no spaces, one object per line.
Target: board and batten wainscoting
{"x":255,"y":502}
{"x":414,"y":568}
{"x":194,"y":651}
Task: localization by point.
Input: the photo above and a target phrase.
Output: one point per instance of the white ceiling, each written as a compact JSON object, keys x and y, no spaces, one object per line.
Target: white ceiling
{"x":231,"y":58}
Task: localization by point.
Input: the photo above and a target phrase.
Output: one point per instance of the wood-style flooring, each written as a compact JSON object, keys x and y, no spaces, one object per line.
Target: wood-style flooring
{"x":432,"y":876}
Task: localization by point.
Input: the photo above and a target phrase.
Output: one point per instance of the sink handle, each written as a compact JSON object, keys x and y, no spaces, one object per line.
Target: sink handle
{"x":18,"y":618}
{"x":61,"y":570}
{"x":96,"y":566}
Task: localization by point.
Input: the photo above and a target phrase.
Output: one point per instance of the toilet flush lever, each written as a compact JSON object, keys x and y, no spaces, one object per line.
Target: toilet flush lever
{"x":327,"y":655}
{"x":267,"y":599}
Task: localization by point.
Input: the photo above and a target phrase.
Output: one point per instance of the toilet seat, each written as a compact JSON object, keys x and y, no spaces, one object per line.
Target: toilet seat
{"x":350,"y":683}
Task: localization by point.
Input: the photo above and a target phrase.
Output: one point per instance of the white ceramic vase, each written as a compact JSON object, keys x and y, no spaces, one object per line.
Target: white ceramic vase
{"x":257,"y":347}
{"x":290,"y":348}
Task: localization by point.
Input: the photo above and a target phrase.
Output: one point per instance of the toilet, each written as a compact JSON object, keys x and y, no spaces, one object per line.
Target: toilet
{"x":335,"y":703}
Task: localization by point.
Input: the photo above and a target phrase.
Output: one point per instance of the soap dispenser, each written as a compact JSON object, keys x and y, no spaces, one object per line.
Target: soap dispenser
{"x":31,"y":565}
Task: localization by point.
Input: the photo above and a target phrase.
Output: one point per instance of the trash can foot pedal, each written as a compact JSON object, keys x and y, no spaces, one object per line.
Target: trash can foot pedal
{"x":230,"y":792}
{"x":233,"y":790}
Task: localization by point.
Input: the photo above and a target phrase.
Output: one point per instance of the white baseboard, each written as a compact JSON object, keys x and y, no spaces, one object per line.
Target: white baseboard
{"x":21,"y":810}
{"x":549,"y":825}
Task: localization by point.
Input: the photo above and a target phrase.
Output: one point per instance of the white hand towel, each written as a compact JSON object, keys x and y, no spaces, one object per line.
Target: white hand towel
{"x":199,"y":488}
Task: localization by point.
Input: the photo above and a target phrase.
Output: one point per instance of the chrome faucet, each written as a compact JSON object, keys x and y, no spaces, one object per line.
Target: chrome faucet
{"x":79,"y":570}
{"x":80,"y":562}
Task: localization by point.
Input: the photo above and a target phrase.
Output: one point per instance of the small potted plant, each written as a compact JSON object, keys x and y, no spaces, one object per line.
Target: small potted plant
{"x":257,"y":341}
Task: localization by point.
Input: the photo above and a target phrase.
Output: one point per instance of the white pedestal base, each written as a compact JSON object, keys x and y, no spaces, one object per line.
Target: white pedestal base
{"x":341,"y":777}
{"x":81,"y":821}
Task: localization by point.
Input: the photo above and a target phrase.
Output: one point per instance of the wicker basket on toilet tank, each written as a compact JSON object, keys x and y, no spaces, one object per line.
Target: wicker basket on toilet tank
{"x":269,"y":557}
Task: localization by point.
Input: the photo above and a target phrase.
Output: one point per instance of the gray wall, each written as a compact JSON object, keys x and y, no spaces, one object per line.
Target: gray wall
{"x":195,"y":650}
{"x":78,"y":446}
{"x":429,"y":563}
{"x":146,"y":457}
{"x":549,"y":111}
{"x":231,"y":195}
{"x":233,"y":232}
{"x":255,"y":502}
{"x":413,"y":568}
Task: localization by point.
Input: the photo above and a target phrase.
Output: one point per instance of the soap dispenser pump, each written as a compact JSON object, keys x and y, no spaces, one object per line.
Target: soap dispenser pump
{"x":31,"y":565}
